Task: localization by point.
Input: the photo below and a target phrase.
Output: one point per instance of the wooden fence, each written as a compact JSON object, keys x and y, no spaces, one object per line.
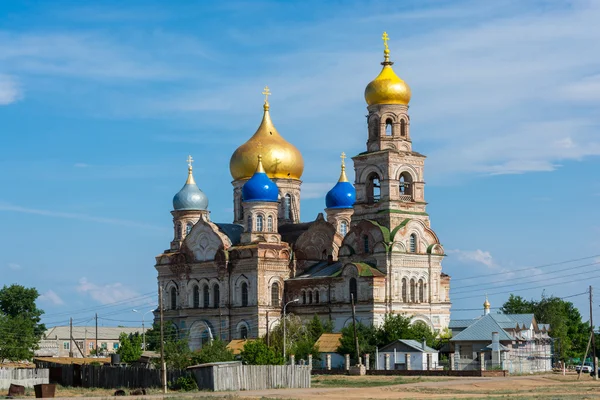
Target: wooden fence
{"x":235,"y":376}
{"x":23,"y":376}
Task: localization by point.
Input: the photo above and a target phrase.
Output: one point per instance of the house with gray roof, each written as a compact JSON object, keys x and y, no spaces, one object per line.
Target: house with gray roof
{"x":419,"y":355}
{"x":515,"y":342}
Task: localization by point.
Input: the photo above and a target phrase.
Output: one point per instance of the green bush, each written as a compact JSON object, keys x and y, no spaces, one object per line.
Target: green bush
{"x":185,"y":383}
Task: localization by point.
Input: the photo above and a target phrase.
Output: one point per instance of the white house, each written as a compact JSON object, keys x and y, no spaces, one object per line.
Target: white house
{"x":421,"y":356}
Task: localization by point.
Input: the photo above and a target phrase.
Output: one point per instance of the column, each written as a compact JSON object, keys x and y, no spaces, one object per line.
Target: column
{"x":367,"y":361}
{"x":328,"y":362}
{"x":292,"y":359}
{"x":451,"y":365}
{"x":428,"y":361}
{"x":347,"y":362}
{"x":407,"y":361}
{"x":482,"y":361}
{"x":310,"y":360}
{"x":387,"y":361}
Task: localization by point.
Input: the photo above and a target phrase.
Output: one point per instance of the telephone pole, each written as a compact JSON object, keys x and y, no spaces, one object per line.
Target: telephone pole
{"x":354,"y":325}
{"x":96,"y":335}
{"x":593,"y":338}
{"x":163,"y":367}
{"x":71,"y":337}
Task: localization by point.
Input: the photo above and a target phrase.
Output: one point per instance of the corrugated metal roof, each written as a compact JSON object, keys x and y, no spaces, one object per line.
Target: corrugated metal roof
{"x":522,"y":319}
{"x":482,"y":329}
{"x":329,"y":342}
{"x":323,"y":269}
{"x":460,"y":323}
{"x":89,"y":332}
{"x":233,"y":232}
{"x":413,"y":344}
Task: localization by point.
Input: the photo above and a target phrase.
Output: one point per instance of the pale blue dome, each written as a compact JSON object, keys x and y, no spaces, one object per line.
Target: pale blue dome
{"x":190,"y":197}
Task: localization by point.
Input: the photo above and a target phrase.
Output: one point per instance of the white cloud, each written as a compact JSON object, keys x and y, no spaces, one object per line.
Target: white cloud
{"x":107,"y":293}
{"x":14,"y":266}
{"x":477,"y":256}
{"x":51,"y":297}
{"x":9,"y":90}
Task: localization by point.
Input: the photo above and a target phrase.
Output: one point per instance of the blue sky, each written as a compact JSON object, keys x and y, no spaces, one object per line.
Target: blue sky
{"x":100,"y":104}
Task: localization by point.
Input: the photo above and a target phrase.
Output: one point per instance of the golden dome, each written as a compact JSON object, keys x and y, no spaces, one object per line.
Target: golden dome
{"x":387,"y":88}
{"x":487,"y":304}
{"x":280,"y":158}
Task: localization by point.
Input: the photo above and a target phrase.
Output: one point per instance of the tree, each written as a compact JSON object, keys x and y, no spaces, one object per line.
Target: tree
{"x":420,"y":330}
{"x":518,"y":305}
{"x":215,"y":351}
{"x":300,"y":337}
{"x":367,"y":339}
{"x":394,"y":327}
{"x":130,"y":347}
{"x":316,"y":327}
{"x":153,"y":336}
{"x":256,"y":352}
{"x":20,"y":327}
{"x":178,"y":354}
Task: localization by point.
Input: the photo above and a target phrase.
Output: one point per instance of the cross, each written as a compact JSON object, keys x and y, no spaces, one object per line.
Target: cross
{"x":267,"y":93}
{"x":385,"y":38}
{"x":190,"y":160}
{"x":343,"y":157}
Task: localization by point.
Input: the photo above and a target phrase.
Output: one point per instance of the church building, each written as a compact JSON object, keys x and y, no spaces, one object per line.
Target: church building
{"x":373,"y":247}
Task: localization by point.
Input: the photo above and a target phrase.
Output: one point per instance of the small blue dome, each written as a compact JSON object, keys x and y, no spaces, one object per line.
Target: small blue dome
{"x":260,"y":187}
{"x":190,"y":197}
{"x":343,"y":195}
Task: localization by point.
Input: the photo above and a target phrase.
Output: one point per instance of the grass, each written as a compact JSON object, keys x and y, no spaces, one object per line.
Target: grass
{"x":325,"y":381}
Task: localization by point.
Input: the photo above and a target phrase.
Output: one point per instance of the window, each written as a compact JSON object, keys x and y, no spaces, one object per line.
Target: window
{"x":115,"y":346}
{"x":188,"y":228}
{"x":343,"y":228}
{"x":204,"y":337}
{"x":206,"y":296}
{"x":412,"y":245}
{"x":287,"y":207}
{"x":275,"y":294}
{"x":373,"y":189}
{"x":402,"y":127}
{"x":244,"y":332}
{"x":317,"y":297}
{"x":240,"y":210}
{"x":259,"y":223}
{"x":353,"y":291}
{"x":421,"y":291}
{"x":80,"y":344}
{"x":91,"y":345}
{"x":249,"y":223}
{"x":303,"y":297}
{"x":244,"y":294}
{"x":196,"y":296}
{"x":178,"y":231}
{"x":66,"y":345}
{"x":405,"y":186}
{"x":173,"y":298}
{"x":366,"y":243}
{"x":216,"y":296}
{"x":404,"y":296}
{"x":388,"y":127}
{"x":270,"y":223}
{"x":412,"y":291}
{"x":103,"y":345}
{"x":310,"y":297}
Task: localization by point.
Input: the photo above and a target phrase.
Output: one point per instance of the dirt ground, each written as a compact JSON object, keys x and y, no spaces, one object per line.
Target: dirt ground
{"x":548,"y":386}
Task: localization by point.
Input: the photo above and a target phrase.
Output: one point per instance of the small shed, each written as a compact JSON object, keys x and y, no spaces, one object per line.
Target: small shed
{"x":418,"y":353}
{"x":328,"y":343}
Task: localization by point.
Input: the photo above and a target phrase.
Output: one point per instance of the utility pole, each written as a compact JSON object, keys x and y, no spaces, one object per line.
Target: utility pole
{"x":354,"y":325}
{"x":593,"y":338}
{"x":71,"y":337}
{"x":96,"y":335}
{"x":163,"y":367}
{"x":268,"y":342}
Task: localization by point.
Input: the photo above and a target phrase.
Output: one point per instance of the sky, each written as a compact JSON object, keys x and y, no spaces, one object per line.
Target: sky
{"x":101,"y":103}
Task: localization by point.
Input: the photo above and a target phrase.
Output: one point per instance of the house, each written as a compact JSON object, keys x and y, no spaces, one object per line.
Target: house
{"x":421,"y":356}
{"x":328,"y":344}
{"x":514,"y":342}
{"x":57,"y":341}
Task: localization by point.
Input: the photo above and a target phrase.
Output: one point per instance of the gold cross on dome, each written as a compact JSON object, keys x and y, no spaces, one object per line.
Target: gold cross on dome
{"x":343,"y":157}
{"x":190,"y":160}
{"x":385,"y":38}
{"x":267,"y":93}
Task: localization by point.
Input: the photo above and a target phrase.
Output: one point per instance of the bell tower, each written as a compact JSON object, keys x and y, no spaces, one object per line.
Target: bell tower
{"x":389,"y":175}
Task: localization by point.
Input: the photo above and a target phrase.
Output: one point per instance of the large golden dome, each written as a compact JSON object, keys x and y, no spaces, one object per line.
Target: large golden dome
{"x":387,"y":88}
{"x":280,"y":158}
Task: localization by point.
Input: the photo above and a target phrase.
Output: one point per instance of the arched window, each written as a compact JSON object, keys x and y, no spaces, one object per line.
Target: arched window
{"x":343,"y":228}
{"x":310,"y":297}
{"x":421,"y":291}
{"x":412,"y":245}
{"x":270,"y":223}
{"x":405,"y":187}
{"x":402,"y":127}
{"x":366,"y":243}
{"x":259,"y":223}
{"x":206,"y":296}
{"x":188,"y":228}
{"x":196,"y":296}
{"x":178,"y":231}
{"x":204,"y":337}
{"x":317,"y":297}
{"x":244,"y":332}
{"x":303,"y":297}
{"x":324,"y":255}
{"x":353,"y":290}
{"x":244,"y":294}
{"x":373,"y":189}
{"x":275,"y":294}
{"x":173,"y":298}
{"x":216,"y":296}
{"x":287,"y":207}
{"x":240,"y":210}
{"x":388,"y":127}
{"x":413,"y":298}
{"x":249,"y":223}
{"x":404,"y":295}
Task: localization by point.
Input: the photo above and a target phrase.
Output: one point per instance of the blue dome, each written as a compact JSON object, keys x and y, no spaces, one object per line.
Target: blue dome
{"x":190,"y":197}
{"x":343,"y":195}
{"x":260,"y":187}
